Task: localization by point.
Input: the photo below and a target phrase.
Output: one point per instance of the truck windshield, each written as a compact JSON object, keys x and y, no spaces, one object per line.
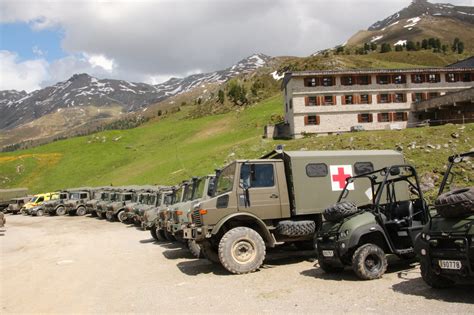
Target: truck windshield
{"x":134,"y":198}
{"x":63,"y":196}
{"x":74,"y":196}
{"x":151,"y":200}
{"x":188,"y":192}
{"x":178,"y":195}
{"x":114,"y":197}
{"x":105,"y":196}
{"x":34,"y":199}
{"x":199,"y":189}
{"x":125,"y":197}
{"x":225,"y":180}
{"x":169,"y":199}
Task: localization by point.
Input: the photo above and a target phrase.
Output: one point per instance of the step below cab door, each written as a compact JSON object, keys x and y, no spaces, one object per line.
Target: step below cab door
{"x":258,"y":192}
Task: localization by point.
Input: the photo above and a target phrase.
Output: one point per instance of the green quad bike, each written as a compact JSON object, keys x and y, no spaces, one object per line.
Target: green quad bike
{"x":446,"y":244}
{"x":362,"y":235}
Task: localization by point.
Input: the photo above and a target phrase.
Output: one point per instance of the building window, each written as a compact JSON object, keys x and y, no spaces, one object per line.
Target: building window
{"x":347,"y":80}
{"x":399,"y":98}
{"x":399,"y":79}
{"x":384,"y":98}
{"x":312,"y":101}
{"x":451,"y":77}
{"x":365,"y":99}
{"x":418,"y":78}
{"x":433,"y":78}
{"x":310,"y":82}
{"x":433,"y":95}
{"x":363,"y":80}
{"x":364,"y":118}
{"x":327,"y":81}
{"x":328,"y":100}
{"x":400,"y":116}
{"x":348,"y":99}
{"x":311,"y":120}
{"x":383,"y":79}
{"x":383,"y":117}
{"x":466,"y":77}
{"x":418,"y":97}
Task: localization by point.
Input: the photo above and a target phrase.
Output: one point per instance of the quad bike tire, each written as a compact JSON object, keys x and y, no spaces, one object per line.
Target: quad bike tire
{"x":339,"y":211}
{"x":456,"y":203}
{"x":296,"y":228}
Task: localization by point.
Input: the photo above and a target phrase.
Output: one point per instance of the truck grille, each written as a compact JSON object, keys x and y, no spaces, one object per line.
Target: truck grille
{"x":451,"y":248}
{"x":196,"y":217}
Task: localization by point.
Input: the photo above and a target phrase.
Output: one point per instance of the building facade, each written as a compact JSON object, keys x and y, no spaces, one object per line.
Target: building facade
{"x":341,"y":101}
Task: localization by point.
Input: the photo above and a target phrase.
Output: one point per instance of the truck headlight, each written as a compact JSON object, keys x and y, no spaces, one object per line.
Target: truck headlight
{"x":344,"y":234}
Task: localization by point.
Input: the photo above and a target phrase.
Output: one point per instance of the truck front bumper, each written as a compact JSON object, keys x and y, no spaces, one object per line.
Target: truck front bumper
{"x":197,"y":233}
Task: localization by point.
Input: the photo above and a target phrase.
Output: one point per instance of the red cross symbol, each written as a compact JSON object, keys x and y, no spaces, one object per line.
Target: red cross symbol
{"x":340,"y":177}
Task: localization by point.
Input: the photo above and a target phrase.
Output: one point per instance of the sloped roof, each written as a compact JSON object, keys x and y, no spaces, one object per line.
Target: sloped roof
{"x":466,"y":63}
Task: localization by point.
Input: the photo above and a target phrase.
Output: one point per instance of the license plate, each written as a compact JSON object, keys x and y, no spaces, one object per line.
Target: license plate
{"x":450,"y":264}
{"x":328,"y":253}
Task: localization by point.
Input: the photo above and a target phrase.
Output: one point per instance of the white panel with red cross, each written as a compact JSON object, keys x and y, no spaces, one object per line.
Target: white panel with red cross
{"x":339,"y":173}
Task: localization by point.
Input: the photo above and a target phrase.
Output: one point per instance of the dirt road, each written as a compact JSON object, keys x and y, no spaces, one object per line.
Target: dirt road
{"x":85,"y":265}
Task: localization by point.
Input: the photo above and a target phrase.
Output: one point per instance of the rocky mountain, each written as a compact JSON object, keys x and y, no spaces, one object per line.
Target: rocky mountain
{"x":420,"y":20}
{"x":87,"y":94}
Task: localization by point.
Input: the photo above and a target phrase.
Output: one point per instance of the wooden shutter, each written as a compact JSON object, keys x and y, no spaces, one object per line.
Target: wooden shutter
{"x":318,"y":100}
{"x":334,"y":102}
{"x":371,"y":117}
{"x":317,"y":120}
{"x":379,"y":98}
{"x":379,"y":117}
{"x":425,"y":96}
{"x":359,"y":118}
{"x":343,"y":99}
{"x":405,"y":116}
{"x":306,"y":101}
{"x":306,"y":120}
{"x":391,"y":116}
{"x":369,"y":99}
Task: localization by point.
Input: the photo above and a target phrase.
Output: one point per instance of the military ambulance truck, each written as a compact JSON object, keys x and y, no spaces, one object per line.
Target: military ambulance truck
{"x":273,"y":200}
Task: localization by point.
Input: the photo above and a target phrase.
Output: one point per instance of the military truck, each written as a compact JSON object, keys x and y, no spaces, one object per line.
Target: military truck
{"x":273,"y":200}
{"x":182,"y":193}
{"x":108,"y":197}
{"x":115,"y":208}
{"x":76,"y":202}
{"x":367,"y":224}
{"x":446,"y":244}
{"x":150,"y":217}
{"x":16,"y":204}
{"x":53,"y":206}
{"x":6,"y":195}
{"x":180,"y":213}
{"x":149,"y":200}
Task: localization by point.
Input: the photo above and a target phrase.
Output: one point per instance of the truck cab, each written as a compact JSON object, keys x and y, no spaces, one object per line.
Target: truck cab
{"x":273,"y":200}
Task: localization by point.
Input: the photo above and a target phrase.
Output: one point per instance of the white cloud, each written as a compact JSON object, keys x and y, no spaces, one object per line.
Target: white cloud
{"x":21,"y":75}
{"x":101,"y":61}
{"x":38,"y":52}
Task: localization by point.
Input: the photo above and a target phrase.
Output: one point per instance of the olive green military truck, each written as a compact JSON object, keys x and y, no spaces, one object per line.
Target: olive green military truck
{"x":53,"y":206}
{"x":153,"y":200}
{"x":76,"y":202}
{"x":180,"y":213}
{"x":273,"y":200}
{"x":150,"y":218}
{"x":115,"y":208}
{"x":367,"y":224}
{"x":16,"y":204}
{"x":6,"y":195}
{"x":446,"y":244}
{"x":182,"y":193}
{"x":139,"y":198}
{"x":97,"y":195}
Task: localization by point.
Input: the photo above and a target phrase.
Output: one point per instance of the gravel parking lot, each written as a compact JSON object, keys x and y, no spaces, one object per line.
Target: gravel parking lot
{"x":85,"y":265}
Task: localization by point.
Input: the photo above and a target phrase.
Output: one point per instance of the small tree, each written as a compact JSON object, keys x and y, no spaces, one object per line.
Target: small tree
{"x":460,"y":47}
{"x":454,"y":47}
{"x":373,"y":46}
{"x":444,"y":48}
{"x":366,"y":47}
{"x":398,"y":48}
{"x":221,"y":96}
{"x":424,"y":44}
{"x":411,"y":46}
{"x":386,"y":48}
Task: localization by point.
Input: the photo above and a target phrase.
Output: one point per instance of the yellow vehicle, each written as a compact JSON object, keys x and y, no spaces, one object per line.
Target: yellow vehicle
{"x":36,"y":202}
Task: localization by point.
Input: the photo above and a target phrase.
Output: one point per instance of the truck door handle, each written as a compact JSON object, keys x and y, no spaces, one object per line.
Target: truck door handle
{"x":274,"y":196}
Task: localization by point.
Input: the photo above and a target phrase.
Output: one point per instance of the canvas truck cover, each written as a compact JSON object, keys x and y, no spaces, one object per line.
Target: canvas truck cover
{"x":8,"y":194}
{"x":316,"y":178}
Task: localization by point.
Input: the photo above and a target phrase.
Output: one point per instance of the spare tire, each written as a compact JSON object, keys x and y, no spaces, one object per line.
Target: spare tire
{"x":339,"y":211}
{"x":455,"y":203}
{"x":296,"y":228}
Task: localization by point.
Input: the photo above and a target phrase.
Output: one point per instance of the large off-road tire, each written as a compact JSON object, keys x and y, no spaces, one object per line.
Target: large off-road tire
{"x":328,"y":268}
{"x":153,"y":234}
{"x":209,"y":252}
{"x":39,"y":213}
{"x":339,"y":211}
{"x":160,"y":234}
{"x":369,"y":262}
{"x":109,"y":216}
{"x":456,"y":203}
{"x":296,"y":228}
{"x":432,"y":279}
{"x":100,"y":215}
{"x":81,"y":211}
{"x":195,"y":248}
{"x":122,"y":216}
{"x":169,"y":237}
{"x":241,"y":250}
{"x":60,"y":211}
{"x":93,"y":213}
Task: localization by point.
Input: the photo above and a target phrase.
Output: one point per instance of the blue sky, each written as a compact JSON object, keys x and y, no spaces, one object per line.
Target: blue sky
{"x":29,"y":43}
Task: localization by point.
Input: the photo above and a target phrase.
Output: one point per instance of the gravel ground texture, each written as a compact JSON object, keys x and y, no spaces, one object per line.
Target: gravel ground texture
{"x":86,"y":265}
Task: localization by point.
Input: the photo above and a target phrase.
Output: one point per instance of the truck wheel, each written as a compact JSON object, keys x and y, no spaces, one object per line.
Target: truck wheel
{"x":209,"y":252}
{"x":109,"y":216}
{"x":100,"y":215}
{"x":328,"y":268}
{"x":339,"y":211}
{"x":169,"y":237}
{"x":296,"y":228}
{"x":159,"y":234}
{"x":195,"y":248}
{"x":81,"y":211}
{"x":369,"y":262}
{"x":432,"y":279}
{"x":241,"y":250}
{"x":60,"y":211}
{"x":122,"y":216}
{"x":39,"y":213}
{"x":153,"y":234}
{"x":456,"y":203}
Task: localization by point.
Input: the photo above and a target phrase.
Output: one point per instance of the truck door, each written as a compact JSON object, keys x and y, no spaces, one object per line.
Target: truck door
{"x":263,"y":197}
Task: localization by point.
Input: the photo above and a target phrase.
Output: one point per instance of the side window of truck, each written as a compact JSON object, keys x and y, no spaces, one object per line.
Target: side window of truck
{"x":83,"y":196}
{"x":363,"y":167}
{"x":258,"y":175}
{"x":40,"y":199}
{"x":316,"y":170}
